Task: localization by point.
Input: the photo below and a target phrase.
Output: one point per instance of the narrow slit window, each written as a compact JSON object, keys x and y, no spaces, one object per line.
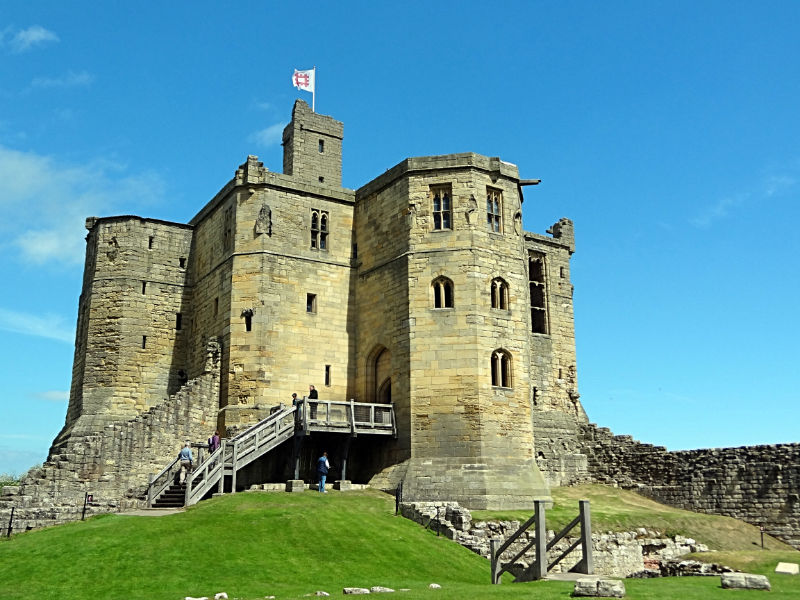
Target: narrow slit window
{"x":494,"y":203}
{"x":144,"y":341}
{"x":182,"y":263}
{"x":323,"y":232}
{"x":562,"y":272}
{"x":355,"y":250}
{"x":150,"y":243}
{"x":327,"y":375}
{"x":321,"y":146}
{"x":144,"y":288}
{"x":216,"y":306}
{"x":311,"y":303}
{"x":442,"y":208}
{"x":248,"y":322}
{"x":178,"y":321}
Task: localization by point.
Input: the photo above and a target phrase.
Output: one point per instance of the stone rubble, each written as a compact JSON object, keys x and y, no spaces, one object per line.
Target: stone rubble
{"x":787,"y":568}
{"x":355,"y":591}
{"x":378,"y":589}
{"x":615,"y":554}
{"x":435,"y":586}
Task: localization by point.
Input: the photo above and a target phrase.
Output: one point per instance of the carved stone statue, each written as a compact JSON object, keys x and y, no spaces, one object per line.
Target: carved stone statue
{"x":472,"y":210}
{"x":264,"y":221}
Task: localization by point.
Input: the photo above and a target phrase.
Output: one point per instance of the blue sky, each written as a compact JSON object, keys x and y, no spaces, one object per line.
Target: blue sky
{"x":669,"y":132}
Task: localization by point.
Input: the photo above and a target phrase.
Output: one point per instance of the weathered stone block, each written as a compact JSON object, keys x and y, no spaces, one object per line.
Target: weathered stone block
{"x":295,"y":485}
{"x":787,"y":568}
{"x":744,"y":581}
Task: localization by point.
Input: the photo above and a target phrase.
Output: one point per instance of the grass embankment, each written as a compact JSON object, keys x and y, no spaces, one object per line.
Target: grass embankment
{"x":614,"y":509}
{"x":288,"y":545}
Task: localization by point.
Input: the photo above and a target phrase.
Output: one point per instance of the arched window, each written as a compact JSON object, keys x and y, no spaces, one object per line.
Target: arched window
{"x":442,"y":293}
{"x":500,"y":294}
{"x":501,"y":369}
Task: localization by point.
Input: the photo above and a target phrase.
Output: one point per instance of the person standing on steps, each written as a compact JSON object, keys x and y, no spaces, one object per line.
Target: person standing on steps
{"x":213,"y":443}
{"x":187,"y":461}
{"x":322,"y":471}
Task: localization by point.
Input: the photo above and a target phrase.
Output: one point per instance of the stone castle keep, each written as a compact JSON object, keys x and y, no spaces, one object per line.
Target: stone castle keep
{"x":420,"y":290}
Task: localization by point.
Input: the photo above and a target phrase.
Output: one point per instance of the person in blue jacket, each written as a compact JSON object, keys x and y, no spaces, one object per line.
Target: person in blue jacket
{"x":322,"y":471}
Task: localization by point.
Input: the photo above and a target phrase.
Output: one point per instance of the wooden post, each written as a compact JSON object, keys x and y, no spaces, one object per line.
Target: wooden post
{"x":188,"y":491}
{"x":586,"y":564}
{"x":394,"y":423}
{"x":540,"y":562}
{"x":352,"y":417}
{"x":200,"y":456}
{"x":150,"y":477}
{"x":233,"y":474}
{"x":222,"y":448}
{"x":494,"y":546}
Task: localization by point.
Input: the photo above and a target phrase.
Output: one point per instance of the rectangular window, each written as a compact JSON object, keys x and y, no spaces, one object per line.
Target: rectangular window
{"x":327,"y":375}
{"x":355,"y":250}
{"x":319,"y":229}
{"x":150,"y":243}
{"x":144,"y":341}
{"x":538,"y":289}
{"x":248,"y":322}
{"x":182,"y":263}
{"x":216,"y":306}
{"x":178,"y":321}
{"x":441,"y":199}
{"x":321,"y":146}
{"x":494,"y":210}
{"x":311,"y":303}
{"x":144,"y":288}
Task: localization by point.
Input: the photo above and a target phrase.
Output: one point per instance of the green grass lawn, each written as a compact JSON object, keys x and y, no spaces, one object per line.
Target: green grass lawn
{"x":614,"y":509}
{"x":255,"y":544}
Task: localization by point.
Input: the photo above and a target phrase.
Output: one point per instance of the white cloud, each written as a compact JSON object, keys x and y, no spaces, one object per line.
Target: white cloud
{"x":45,"y":203}
{"x":45,"y":325}
{"x":31,"y":37}
{"x":14,"y":462}
{"x":68,"y":79}
{"x":270,"y":136}
{"x":719,"y":211}
{"x":54,"y":396}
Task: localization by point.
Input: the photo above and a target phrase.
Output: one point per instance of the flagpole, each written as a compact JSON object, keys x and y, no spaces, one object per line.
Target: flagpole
{"x":314,"y":92}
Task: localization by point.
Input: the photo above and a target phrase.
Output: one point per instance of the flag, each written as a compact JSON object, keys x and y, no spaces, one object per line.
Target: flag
{"x":304,"y":80}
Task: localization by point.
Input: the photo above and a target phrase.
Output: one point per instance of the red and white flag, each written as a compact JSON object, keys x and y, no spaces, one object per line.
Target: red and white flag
{"x":304,"y":80}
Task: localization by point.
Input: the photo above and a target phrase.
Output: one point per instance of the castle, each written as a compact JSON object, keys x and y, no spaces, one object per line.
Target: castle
{"x":420,"y":290}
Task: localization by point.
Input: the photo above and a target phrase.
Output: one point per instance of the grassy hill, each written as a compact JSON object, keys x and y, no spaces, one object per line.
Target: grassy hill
{"x":288,"y":545}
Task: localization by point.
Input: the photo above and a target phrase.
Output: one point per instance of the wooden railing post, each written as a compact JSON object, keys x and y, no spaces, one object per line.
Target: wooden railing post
{"x":233,"y":474}
{"x":222,"y":449}
{"x":151,"y":477}
{"x":494,"y":546}
{"x":188,"y":493}
{"x":586,"y":565}
{"x":352,"y":416}
{"x":540,"y":564}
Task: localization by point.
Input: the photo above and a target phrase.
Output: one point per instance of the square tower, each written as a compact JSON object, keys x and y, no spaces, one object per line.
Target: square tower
{"x":312,"y":147}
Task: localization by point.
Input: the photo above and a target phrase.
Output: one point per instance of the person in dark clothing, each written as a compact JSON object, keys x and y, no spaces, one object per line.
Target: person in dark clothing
{"x":322,"y":471}
{"x":312,"y":393}
{"x":213,"y":442}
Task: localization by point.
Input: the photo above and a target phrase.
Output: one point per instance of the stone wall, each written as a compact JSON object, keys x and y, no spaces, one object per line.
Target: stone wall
{"x":114,"y":463}
{"x":615,"y":554}
{"x":756,"y":484}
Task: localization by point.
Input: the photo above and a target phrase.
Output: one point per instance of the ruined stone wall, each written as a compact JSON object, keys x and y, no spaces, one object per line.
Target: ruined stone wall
{"x":113,"y":463}
{"x":129,"y":352}
{"x":757,"y":484}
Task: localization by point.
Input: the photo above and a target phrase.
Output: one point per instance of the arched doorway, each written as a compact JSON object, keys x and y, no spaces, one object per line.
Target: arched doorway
{"x":379,"y":375}
{"x":385,"y":392}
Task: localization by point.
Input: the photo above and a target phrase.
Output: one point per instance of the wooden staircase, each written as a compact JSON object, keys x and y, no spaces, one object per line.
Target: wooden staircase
{"x":173,"y":497}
